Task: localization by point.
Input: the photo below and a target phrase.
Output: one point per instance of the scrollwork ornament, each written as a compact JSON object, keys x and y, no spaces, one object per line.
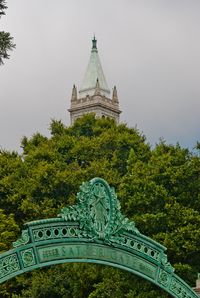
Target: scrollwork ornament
{"x":180,"y":289}
{"x":8,"y":265}
{"x":24,"y":239}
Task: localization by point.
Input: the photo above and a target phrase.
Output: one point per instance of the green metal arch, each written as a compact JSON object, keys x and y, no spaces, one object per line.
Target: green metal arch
{"x":93,"y":231}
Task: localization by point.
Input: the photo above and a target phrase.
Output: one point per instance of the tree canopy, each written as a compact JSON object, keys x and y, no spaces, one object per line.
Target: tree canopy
{"x":158,"y":188}
{"x":6,"y":40}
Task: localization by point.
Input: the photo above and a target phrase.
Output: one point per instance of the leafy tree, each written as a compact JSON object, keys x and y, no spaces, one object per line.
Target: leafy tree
{"x":162,"y":196}
{"x":6,"y":41}
{"x":8,"y":230}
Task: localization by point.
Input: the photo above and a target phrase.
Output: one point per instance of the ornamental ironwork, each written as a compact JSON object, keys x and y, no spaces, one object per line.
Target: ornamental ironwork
{"x":93,"y":231}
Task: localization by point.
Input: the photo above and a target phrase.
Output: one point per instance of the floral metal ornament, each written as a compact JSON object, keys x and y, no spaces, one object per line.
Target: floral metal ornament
{"x":98,"y":211}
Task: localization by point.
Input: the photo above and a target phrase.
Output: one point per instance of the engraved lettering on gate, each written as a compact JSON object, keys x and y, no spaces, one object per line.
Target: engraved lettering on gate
{"x":147,"y":269}
{"x":96,"y":252}
{"x":71,"y":252}
{"x":101,"y":252}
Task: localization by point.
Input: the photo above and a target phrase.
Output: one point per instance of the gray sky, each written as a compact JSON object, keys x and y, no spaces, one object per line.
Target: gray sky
{"x":149,"y":49}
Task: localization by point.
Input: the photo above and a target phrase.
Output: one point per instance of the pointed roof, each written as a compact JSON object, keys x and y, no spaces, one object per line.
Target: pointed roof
{"x":93,"y":73}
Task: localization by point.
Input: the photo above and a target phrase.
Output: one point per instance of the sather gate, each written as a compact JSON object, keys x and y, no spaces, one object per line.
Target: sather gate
{"x":93,"y":231}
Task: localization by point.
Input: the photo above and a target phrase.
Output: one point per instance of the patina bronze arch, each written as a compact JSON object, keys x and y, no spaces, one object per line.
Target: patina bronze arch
{"x":92,"y":231}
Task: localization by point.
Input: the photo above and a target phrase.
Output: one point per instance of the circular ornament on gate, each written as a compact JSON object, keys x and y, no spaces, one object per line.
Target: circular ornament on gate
{"x":28,"y":257}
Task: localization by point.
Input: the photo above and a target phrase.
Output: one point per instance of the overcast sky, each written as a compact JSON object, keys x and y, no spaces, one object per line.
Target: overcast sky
{"x":149,"y":49}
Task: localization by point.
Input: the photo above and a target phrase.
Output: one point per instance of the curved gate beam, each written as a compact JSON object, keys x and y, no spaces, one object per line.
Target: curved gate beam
{"x":93,"y":231}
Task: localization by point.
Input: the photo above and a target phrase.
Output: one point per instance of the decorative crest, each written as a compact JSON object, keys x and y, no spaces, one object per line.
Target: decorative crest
{"x":98,"y":211}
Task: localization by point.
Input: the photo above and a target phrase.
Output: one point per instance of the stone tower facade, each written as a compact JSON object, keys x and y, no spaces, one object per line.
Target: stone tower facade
{"x":94,"y":94}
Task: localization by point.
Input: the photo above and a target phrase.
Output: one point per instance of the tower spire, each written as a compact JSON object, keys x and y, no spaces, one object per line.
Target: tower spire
{"x":94,"y":43}
{"x":94,"y":71}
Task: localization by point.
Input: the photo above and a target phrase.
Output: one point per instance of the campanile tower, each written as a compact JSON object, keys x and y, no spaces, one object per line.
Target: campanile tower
{"x":94,"y":95}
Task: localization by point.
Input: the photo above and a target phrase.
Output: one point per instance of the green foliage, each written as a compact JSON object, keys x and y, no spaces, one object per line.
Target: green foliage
{"x":116,"y":283}
{"x":158,"y":188}
{"x":6,"y":41}
{"x":162,"y":196}
{"x":57,"y":128}
{"x":8,"y":231}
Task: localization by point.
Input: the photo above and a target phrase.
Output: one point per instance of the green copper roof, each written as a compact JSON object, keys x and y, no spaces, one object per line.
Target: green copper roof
{"x":94,"y":71}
